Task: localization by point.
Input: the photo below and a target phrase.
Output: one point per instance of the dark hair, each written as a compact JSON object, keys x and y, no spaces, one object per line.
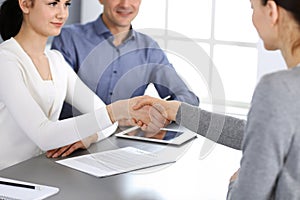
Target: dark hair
{"x":293,"y":6}
{"x":11,"y":18}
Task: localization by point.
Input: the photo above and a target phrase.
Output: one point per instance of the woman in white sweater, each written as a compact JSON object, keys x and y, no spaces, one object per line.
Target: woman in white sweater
{"x":35,"y":82}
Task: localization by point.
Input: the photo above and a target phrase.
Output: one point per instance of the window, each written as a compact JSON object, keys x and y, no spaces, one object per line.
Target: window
{"x":224,"y":30}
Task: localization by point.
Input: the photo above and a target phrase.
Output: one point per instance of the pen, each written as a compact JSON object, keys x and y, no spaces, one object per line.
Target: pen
{"x":170,"y":129}
{"x":18,"y":185}
{"x":167,"y":97}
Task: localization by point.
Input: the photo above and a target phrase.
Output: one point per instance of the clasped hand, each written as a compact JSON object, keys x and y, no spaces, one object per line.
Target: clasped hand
{"x":143,"y":111}
{"x":148,"y":114}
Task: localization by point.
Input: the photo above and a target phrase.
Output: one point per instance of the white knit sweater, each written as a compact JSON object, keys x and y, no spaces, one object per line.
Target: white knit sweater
{"x":30,"y":106}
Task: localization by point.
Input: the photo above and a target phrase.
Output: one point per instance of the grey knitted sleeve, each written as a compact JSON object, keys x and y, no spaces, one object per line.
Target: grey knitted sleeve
{"x":222,"y":129}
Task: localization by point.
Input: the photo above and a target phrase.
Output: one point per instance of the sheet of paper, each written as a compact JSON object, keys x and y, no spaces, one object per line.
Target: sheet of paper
{"x":113,"y":162}
{"x":15,"y":192}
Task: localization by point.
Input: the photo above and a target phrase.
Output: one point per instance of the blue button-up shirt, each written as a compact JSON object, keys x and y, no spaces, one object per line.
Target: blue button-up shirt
{"x":119,"y":72}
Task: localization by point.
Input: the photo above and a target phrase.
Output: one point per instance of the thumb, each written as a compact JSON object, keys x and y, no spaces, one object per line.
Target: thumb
{"x":141,"y":102}
{"x":138,"y":105}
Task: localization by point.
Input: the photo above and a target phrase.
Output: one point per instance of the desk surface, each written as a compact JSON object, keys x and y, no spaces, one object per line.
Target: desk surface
{"x":189,"y":178}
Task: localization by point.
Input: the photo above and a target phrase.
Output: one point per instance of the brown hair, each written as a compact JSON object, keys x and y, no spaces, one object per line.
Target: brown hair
{"x":11,"y":18}
{"x":293,"y":7}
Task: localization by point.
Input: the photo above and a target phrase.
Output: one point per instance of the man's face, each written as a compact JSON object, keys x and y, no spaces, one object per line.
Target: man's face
{"x":118,"y":14}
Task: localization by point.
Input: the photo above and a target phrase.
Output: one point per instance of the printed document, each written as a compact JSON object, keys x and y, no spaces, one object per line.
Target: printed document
{"x":113,"y":162}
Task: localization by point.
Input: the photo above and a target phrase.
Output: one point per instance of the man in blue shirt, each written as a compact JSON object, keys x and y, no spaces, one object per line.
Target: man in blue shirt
{"x":117,"y":62}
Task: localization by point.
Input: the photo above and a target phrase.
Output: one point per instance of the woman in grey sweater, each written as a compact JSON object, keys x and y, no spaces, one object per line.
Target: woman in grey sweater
{"x":270,"y":164}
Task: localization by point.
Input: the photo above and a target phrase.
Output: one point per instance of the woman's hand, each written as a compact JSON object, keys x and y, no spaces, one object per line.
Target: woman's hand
{"x":67,"y":150}
{"x":147,"y":112}
{"x":168,"y":109}
{"x":235,"y":175}
{"x":126,"y":122}
{"x":123,"y":109}
{"x":157,"y":120}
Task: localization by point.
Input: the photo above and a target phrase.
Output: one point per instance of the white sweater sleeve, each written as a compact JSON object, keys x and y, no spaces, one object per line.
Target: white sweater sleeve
{"x":31,"y":119}
{"x":79,"y":95}
{"x":85,"y":100}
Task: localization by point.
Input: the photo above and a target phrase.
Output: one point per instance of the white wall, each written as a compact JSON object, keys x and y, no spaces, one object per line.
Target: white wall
{"x":90,"y":10}
{"x":268,"y":61}
{"x":73,"y":12}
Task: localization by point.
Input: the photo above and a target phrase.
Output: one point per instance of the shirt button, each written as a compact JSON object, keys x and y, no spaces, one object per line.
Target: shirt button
{"x":115,"y":71}
{"x":110,"y":93}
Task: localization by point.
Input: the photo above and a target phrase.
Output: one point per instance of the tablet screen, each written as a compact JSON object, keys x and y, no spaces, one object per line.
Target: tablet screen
{"x":173,"y":134}
{"x":161,"y":135}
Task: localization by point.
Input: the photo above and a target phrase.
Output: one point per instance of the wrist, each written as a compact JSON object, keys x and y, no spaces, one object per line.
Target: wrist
{"x":118,"y":110}
{"x":94,"y":138}
{"x":98,"y":135}
{"x":110,"y":113}
{"x":172,"y":109}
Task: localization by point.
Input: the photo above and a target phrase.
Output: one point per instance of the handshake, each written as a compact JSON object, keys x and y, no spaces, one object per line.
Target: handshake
{"x":147,"y":112}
